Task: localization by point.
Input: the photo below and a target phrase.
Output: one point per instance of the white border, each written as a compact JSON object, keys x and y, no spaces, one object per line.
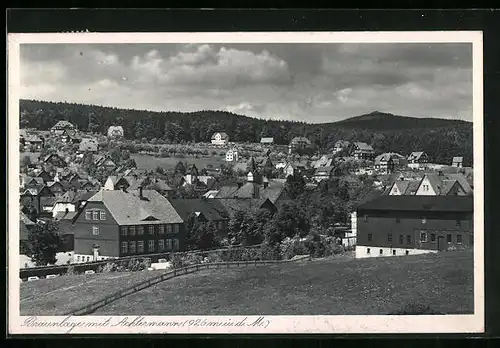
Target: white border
{"x":275,"y":324}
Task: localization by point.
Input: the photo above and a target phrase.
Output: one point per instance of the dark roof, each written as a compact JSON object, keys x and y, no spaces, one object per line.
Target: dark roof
{"x":233,"y":205}
{"x":75,"y":196}
{"x":272,"y":191}
{"x":212,"y":209}
{"x":420,"y":203}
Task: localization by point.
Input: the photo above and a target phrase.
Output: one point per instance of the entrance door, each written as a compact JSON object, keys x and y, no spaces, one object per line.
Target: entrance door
{"x":441,"y":244}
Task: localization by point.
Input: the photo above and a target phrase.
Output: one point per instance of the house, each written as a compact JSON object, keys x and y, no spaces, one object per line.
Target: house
{"x":55,"y":160}
{"x":324,"y":161}
{"x":61,"y":126}
{"x":360,"y":150}
{"x":298,"y":143}
{"x":340,"y":145}
{"x":220,"y":138}
{"x":69,"y":136}
{"x":44,"y":176}
{"x":457,"y":162}
{"x":205,"y":210}
{"x":252,"y":205}
{"x":118,"y":223}
{"x":106,"y":162}
{"x":439,"y":184}
{"x":403,"y":187}
{"x":388,"y":162}
{"x":232,"y":155}
{"x":161,"y":187}
{"x":323,"y":173}
{"x":267,"y":140}
{"x":127,"y":182}
{"x":407,"y":225}
{"x":71,"y":201}
{"x":88,"y":145}
{"x":205,"y":182}
{"x":33,"y":143}
{"x":57,"y":188}
{"x":417,"y":160}
{"x":292,"y":167}
{"x":115,"y":132}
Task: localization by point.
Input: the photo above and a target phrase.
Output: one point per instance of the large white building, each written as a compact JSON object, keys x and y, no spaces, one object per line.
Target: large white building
{"x":220,"y":138}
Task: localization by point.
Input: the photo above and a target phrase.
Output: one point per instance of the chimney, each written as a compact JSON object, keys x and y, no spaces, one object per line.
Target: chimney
{"x":140,"y":192}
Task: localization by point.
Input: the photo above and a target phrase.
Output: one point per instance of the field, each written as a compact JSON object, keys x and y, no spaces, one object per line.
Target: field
{"x":150,"y":162}
{"x":377,"y":286}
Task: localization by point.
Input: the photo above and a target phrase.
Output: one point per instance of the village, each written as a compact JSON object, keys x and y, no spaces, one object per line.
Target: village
{"x":107,"y":207}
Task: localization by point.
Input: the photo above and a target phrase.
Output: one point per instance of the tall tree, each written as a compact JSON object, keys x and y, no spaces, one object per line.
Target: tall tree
{"x":43,"y":243}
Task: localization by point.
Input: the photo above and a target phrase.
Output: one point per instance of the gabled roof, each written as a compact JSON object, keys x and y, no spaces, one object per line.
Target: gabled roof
{"x":415,"y":156}
{"x":462,"y":180}
{"x":75,"y":196}
{"x":33,"y":139}
{"x":127,"y":208}
{"x":212,"y":209}
{"x":298,"y":140}
{"x":385,"y":157}
{"x":342,"y":143}
{"x":272,"y":191}
{"x":223,"y":135}
{"x":420,"y":203}
{"x":26,"y":220}
{"x":232,"y":205}
{"x":63,"y":125}
{"x":362,"y":146}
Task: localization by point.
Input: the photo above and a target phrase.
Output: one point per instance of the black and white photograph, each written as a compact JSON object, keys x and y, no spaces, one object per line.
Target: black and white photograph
{"x":161,"y":183}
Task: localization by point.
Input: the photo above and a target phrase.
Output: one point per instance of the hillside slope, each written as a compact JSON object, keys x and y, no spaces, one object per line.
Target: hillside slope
{"x":441,"y":139}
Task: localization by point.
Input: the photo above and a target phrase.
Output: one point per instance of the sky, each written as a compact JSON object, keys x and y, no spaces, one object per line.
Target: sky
{"x":323,"y":82}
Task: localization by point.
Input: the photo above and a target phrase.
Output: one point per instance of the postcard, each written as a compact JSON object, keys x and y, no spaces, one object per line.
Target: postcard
{"x":237,"y":182}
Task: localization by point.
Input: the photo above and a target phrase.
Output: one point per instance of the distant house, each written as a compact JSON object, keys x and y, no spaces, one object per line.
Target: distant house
{"x":439,"y":184}
{"x":220,"y":138}
{"x":62,"y":126}
{"x":71,"y":201}
{"x":362,"y":150}
{"x":115,"y":132}
{"x":417,"y":159}
{"x":88,"y":145}
{"x":293,"y":167}
{"x":43,"y":175}
{"x":232,"y":155}
{"x":407,"y":225}
{"x":122,"y":182}
{"x":388,"y":162}
{"x":57,"y":188}
{"x":106,"y":162}
{"x":323,"y":173}
{"x":267,"y":140}
{"x":70,"y":137}
{"x":55,"y":160}
{"x":324,"y":161}
{"x":457,"y":162}
{"x":117,"y":223}
{"x":33,"y":143}
{"x":404,"y":187}
{"x":298,"y":143}
{"x":340,"y":145}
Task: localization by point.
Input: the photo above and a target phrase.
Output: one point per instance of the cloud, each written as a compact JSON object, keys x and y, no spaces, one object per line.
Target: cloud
{"x":302,"y":82}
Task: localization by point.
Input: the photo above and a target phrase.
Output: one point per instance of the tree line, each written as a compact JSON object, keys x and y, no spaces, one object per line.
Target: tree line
{"x":441,"y":140}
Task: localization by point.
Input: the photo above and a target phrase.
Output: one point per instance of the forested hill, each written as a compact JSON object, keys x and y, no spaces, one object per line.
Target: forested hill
{"x":441,"y":139}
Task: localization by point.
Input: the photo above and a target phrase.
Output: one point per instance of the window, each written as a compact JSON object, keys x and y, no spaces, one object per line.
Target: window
{"x":176,"y":228}
{"x":169,"y":228}
{"x":433,"y":238}
{"x":161,"y":229}
{"x":131,"y":247}
{"x":389,"y":237}
{"x":423,"y":237}
{"x":95,"y":230}
{"x":168,"y":244}
{"x":103,"y":215}
{"x":161,"y":245}
{"x":425,"y":187}
{"x":175,"y":245}
{"x":78,"y":258}
{"x":381,"y":252}
{"x":151,"y":246}
{"x":124,"y":247}
{"x":394,"y":252}
{"x":140,"y":230}
{"x":368,"y":251}
{"x":459,"y":239}
{"x":370,"y":236}
{"x":398,"y":221}
{"x":448,"y":238}
{"x":123,"y":231}
{"x":408,"y":239}
{"x":88,"y":215}
{"x":366,"y":218}
{"x":424,"y":220}
{"x":132,"y":230}
{"x":407,"y":252}
{"x":140,"y":246}
{"x":400,"y":239}
{"x":151,"y":229}
{"x":88,"y":258}
{"x":95,"y":215}
{"x":459,"y":223}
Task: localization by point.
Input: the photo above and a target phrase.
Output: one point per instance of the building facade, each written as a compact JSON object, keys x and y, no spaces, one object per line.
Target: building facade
{"x":220,"y":138}
{"x":408,"y":225}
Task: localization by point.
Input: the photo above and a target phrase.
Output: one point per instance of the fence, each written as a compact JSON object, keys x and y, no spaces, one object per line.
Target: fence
{"x":91,"y":308}
{"x":43,"y":271}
